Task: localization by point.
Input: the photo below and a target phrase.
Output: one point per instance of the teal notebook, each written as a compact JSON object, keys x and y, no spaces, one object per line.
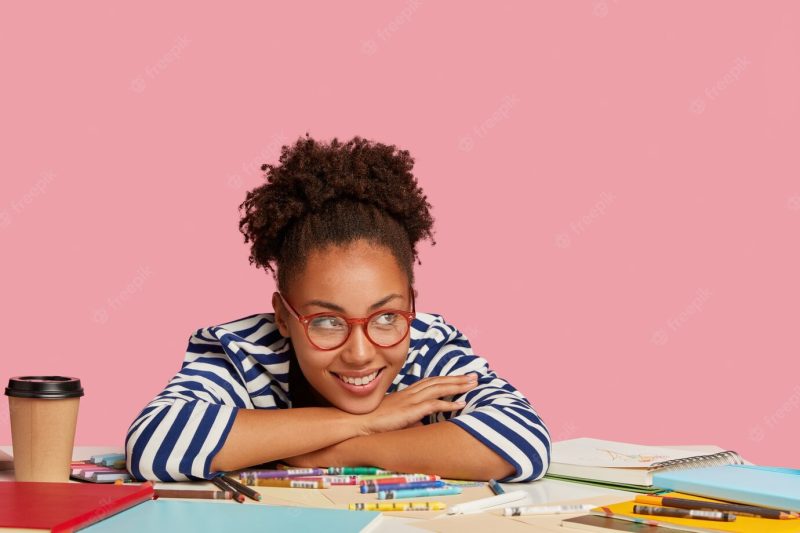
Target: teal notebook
{"x":778,"y":488}
{"x":179,"y":516}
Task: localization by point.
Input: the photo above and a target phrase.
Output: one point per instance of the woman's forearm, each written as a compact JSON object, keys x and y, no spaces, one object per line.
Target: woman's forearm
{"x":442,"y":448}
{"x":262,"y":435}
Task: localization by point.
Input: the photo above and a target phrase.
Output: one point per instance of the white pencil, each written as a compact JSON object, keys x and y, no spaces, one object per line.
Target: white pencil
{"x":486,"y":503}
{"x":548,"y":509}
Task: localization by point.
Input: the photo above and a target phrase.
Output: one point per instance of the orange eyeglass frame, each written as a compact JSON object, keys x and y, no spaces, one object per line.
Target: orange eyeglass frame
{"x":306,"y":319}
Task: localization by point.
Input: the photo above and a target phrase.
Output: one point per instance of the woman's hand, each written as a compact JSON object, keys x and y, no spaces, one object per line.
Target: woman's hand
{"x":399,"y":410}
{"x":409,"y":406}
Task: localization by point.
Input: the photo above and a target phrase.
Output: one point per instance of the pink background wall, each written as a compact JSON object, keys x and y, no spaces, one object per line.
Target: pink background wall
{"x":616,"y":189}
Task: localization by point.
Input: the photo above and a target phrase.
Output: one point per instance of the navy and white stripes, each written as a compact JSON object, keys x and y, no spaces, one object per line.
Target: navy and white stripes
{"x":244,"y":364}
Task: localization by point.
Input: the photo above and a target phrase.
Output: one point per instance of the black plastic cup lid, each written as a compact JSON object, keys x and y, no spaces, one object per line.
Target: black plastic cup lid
{"x":44,"y":387}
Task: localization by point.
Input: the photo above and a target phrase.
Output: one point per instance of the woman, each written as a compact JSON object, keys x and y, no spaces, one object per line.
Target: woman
{"x":345,"y":371}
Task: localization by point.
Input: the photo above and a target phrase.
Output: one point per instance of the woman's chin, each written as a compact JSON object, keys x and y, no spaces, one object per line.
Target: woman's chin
{"x":357,"y":406}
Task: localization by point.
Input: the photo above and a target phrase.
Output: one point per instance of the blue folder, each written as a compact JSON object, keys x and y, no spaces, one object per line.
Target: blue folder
{"x":778,"y":488}
{"x":179,"y":516}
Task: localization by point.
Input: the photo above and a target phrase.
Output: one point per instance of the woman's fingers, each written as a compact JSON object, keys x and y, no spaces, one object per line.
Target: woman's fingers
{"x":431,"y":407}
{"x":423,"y":398}
{"x":420,"y":384}
{"x":444,"y":389}
{"x":443,"y":405}
{"x":426,"y":383}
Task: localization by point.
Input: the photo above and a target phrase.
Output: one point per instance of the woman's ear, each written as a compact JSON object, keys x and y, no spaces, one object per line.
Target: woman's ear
{"x":280,"y":315}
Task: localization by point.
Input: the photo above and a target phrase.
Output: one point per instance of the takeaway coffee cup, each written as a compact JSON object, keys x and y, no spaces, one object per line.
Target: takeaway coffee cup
{"x":44,"y":414}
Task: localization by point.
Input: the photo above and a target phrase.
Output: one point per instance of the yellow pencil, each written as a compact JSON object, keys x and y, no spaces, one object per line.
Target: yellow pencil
{"x":398,"y":506}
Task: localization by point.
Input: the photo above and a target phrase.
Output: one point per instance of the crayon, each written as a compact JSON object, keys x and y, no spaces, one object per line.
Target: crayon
{"x":738,"y":509}
{"x":194,"y":494}
{"x":410,"y":478}
{"x":358,"y":470}
{"x":398,"y":506}
{"x":417,"y":493}
{"x":717,"y":516}
{"x":548,"y":509}
{"x":283,"y":473}
{"x":332,"y":480}
{"x":367,"y":489}
{"x":290,"y":483}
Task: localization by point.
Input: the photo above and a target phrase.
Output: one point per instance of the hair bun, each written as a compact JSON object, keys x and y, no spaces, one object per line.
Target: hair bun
{"x":317,"y":178}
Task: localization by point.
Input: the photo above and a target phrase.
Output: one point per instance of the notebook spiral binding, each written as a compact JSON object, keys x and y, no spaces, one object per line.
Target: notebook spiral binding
{"x":729,"y":457}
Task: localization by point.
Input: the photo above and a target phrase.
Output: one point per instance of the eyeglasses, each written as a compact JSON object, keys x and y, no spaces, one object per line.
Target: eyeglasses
{"x":329,"y":330}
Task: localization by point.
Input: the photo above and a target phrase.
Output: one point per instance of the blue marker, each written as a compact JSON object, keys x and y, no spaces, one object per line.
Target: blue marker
{"x":365,"y":489}
{"x":496,"y":488}
{"x":417,"y":493}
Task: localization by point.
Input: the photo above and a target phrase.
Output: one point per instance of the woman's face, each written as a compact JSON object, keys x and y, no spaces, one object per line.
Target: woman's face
{"x":349,"y":280}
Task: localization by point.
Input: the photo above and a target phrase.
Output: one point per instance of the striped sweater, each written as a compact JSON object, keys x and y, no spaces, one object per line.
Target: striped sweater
{"x":244,"y":364}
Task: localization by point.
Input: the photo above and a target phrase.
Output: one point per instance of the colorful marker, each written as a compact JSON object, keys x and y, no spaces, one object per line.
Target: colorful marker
{"x":398,"y":506}
{"x":358,"y":470}
{"x":719,"y":516}
{"x":289,"y":483}
{"x":367,"y":489}
{"x":548,"y":509}
{"x":701,"y":505}
{"x":332,"y":480}
{"x":409,"y":478}
{"x":289,"y":472}
{"x":417,"y":493}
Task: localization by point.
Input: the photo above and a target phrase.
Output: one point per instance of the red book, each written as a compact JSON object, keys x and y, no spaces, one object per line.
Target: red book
{"x":65,"y":507}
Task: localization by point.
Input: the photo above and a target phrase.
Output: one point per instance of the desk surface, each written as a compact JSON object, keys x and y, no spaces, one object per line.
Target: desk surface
{"x":542,"y":492}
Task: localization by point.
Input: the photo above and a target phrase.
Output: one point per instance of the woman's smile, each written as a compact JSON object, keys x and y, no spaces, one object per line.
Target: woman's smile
{"x":359,"y":383}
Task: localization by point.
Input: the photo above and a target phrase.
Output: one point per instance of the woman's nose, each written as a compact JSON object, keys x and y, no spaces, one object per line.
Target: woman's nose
{"x":358,"y":350}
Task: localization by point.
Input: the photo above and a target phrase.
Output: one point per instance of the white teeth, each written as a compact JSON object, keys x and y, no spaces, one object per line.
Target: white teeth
{"x":360,"y":380}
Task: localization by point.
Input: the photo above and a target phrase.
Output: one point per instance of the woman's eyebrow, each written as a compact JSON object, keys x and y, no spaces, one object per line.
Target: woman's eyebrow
{"x":334,"y":307}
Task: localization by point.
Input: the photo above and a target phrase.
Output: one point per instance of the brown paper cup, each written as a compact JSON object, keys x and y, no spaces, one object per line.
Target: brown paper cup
{"x":44,"y":415}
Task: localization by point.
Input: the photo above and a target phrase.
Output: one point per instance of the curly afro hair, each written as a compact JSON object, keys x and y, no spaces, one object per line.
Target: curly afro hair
{"x":333,"y":194}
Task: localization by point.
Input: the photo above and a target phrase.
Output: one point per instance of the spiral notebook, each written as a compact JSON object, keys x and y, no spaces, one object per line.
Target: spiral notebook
{"x":629,"y":466}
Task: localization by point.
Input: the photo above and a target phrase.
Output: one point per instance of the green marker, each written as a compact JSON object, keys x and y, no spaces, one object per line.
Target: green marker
{"x":357,"y":471}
